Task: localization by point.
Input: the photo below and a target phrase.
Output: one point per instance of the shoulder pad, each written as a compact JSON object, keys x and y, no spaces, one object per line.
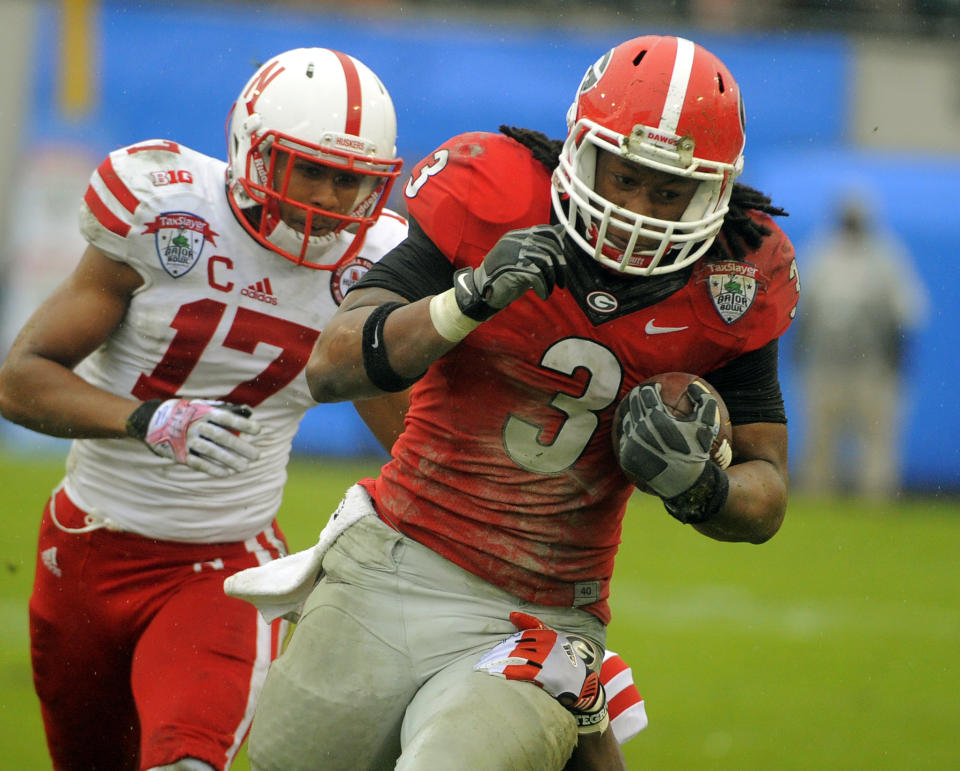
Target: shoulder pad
{"x":778,"y":268}
{"x":776,"y":258}
{"x":131,"y":181}
{"x":474,"y":188}
{"x":754,"y":299}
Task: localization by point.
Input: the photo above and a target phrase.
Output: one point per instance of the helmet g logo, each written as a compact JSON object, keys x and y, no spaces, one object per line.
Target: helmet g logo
{"x":590,"y":78}
{"x":594,"y":73}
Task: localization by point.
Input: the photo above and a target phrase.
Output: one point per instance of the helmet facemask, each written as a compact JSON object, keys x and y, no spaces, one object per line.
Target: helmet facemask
{"x":270,"y":163}
{"x":591,"y":219}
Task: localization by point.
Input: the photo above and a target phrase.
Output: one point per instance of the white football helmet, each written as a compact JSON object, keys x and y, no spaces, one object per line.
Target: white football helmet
{"x":670,"y":105}
{"x":331,"y":109}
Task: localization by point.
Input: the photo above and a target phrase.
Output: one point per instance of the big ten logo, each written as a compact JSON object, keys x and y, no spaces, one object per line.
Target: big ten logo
{"x":218,"y":273}
{"x":172,"y":177}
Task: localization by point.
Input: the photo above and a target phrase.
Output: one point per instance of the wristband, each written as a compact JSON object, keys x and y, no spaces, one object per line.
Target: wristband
{"x":375,"y":360}
{"x":595,"y":720}
{"x":449,"y":321}
{"x":703,"y":500}
{"x":139,"y":420}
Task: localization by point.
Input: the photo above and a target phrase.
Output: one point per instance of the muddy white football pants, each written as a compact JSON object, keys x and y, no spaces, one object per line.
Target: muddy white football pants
{"x":381,"y":662}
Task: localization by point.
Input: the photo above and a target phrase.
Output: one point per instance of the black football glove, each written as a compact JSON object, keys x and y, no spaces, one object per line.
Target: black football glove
{"x":530,"y":258}
{"x":671,"y":455}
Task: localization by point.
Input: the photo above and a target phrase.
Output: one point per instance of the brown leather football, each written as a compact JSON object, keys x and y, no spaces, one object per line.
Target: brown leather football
{"x":673,"y":391}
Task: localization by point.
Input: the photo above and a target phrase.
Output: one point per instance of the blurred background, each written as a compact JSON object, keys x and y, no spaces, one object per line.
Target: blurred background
{"x":842,"y":97}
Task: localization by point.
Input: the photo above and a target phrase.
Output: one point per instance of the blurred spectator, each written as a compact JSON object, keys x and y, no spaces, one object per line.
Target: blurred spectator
{"x":861,"y":298}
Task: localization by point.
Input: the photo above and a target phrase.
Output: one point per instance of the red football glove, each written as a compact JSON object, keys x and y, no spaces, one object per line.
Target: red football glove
{"x":543,"y":656}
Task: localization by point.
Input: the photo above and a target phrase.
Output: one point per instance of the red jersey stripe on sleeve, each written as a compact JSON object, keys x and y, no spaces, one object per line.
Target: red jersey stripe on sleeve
{"x":620,"y":703}
{"x":612,"y":666}
{"x":115,"y":185}
{"x":106,"y":217}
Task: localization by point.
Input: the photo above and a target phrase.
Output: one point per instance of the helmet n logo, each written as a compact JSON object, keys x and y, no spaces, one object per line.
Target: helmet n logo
{"x":257,"y":86}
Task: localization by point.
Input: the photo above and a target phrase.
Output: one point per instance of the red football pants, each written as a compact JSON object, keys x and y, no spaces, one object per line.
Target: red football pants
{"x":139,"y":658}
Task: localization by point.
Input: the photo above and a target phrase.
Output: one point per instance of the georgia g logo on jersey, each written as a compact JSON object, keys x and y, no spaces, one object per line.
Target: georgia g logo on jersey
{"x":179,"y":237}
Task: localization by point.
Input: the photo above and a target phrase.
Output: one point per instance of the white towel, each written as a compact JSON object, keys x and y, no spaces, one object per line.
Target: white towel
{"x":279,"y":588}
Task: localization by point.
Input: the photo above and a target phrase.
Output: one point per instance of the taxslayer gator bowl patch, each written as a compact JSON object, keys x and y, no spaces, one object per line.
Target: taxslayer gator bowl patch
{"x":179,"y":238}
{"x":732,"y":285}
{"x":345,"y":276}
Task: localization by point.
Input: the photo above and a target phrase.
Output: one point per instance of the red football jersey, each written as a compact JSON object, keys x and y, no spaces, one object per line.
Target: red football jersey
{"x":506,"y":464}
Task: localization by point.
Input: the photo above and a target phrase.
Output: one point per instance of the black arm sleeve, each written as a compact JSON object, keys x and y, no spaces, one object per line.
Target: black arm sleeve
{"x":750,"y":385}
{"x":414,"y":268}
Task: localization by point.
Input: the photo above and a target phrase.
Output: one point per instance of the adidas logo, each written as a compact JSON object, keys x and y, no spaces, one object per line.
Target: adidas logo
{"x":49,"y":559}
{"x":261,"y":291}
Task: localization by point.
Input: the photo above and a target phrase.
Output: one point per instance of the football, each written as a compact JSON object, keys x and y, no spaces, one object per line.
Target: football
{"x":673,"y":391}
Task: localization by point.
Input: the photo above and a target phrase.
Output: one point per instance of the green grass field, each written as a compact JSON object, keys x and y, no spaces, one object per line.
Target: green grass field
{"x":833,"y":646}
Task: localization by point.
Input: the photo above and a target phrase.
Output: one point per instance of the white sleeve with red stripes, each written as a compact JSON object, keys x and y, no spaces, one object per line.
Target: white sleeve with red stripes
{"x":628,"y":715}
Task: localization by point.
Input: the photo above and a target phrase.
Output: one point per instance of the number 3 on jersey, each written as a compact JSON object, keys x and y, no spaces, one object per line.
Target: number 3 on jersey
{"x":196,"y":323}
{"x":521,"y":438}
{"x":440,"y":159}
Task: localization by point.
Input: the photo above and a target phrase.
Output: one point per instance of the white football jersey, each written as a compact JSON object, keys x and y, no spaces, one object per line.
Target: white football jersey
{"x":217,"y":317}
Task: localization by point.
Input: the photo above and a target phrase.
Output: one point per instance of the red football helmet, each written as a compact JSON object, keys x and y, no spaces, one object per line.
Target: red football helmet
{"x":325,"y":107}
{"x":670,"y":105}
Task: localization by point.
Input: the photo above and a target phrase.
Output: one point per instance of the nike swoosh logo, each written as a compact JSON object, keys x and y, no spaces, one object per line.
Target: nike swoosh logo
{"x":462,"y":279}
{"x":375,"y":343}
{"x":652,"y":329}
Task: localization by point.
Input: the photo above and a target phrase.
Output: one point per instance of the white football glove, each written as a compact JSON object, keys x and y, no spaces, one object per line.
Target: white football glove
{"x":556,"y":663}
{"x":207,"y":436}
